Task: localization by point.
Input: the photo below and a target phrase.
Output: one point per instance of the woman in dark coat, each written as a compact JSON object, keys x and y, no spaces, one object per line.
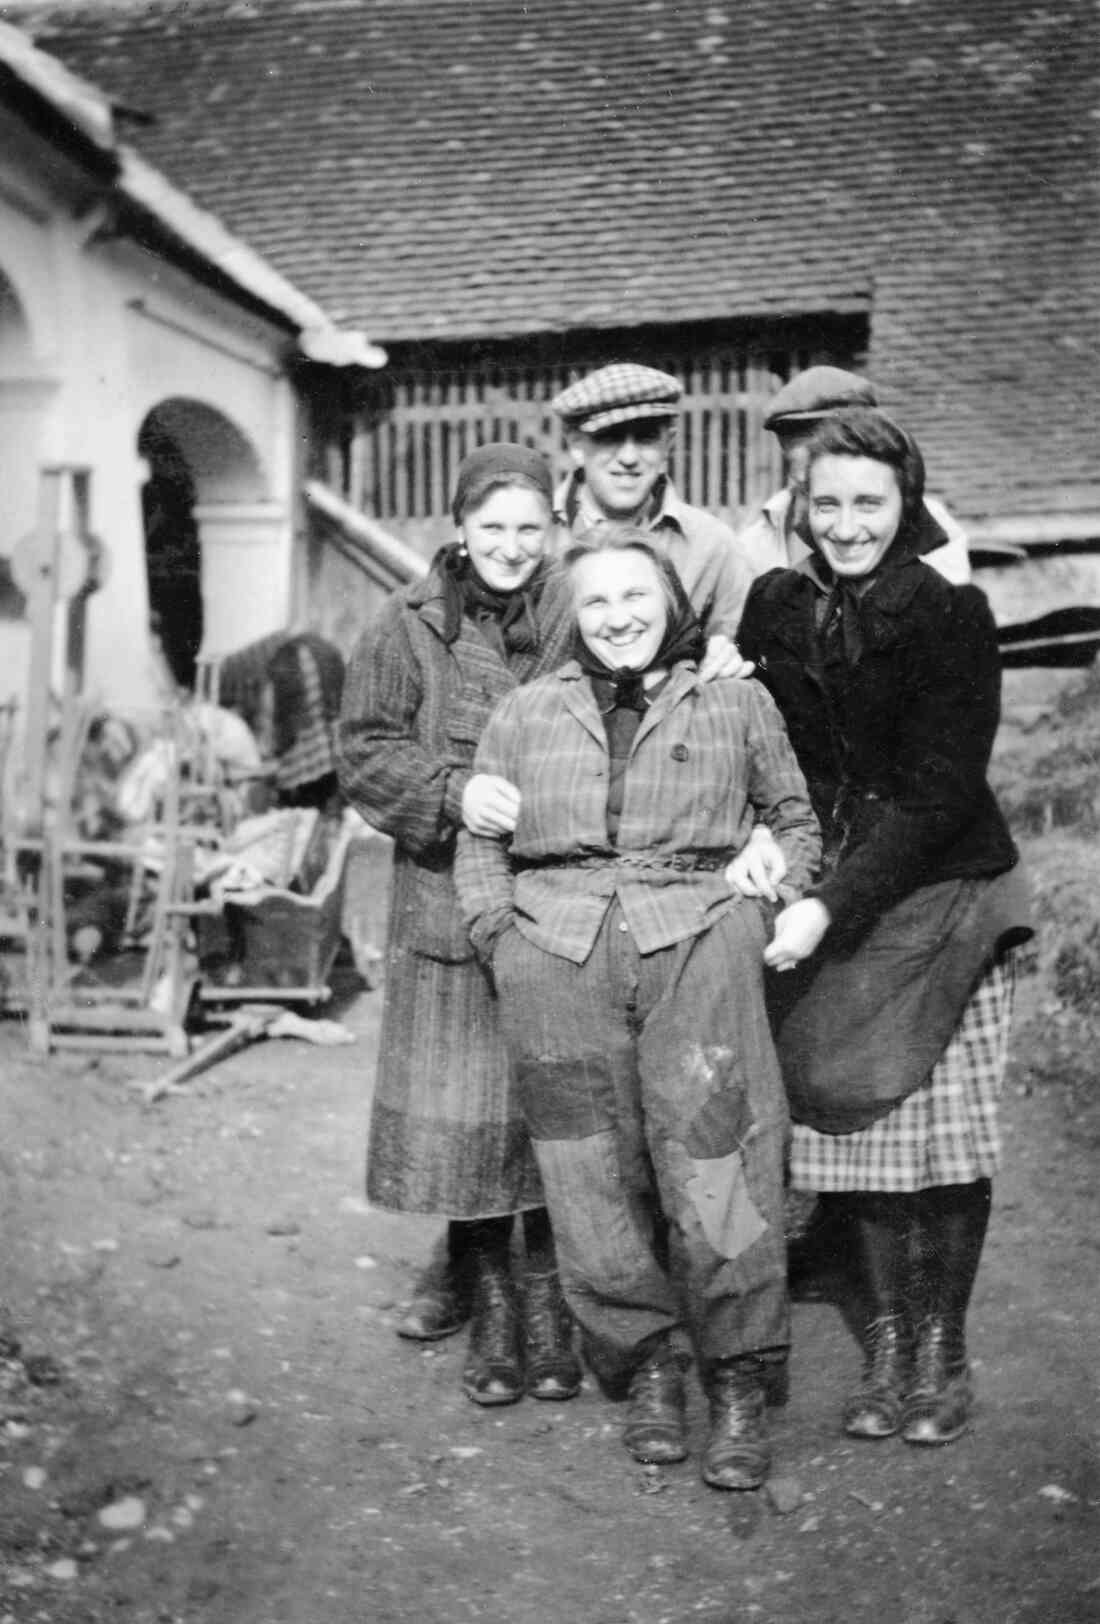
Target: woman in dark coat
{"x":892,"y":1036}
{"x":446,"y":1135}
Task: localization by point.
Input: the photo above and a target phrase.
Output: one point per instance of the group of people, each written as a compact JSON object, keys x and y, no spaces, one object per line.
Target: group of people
{"x":700,"y":893}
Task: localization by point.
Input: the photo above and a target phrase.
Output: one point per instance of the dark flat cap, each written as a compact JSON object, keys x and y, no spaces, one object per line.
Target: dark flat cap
{"x":815,"y":393}
{"x":618,"y":393}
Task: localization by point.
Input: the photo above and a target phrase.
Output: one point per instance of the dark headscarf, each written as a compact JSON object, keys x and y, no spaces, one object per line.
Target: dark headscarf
{"x":505,"y":619}
{"x":621,"y":694}
{"x":498,"y":465}
{"x":683,"y":638}
{"x":863,"y":431}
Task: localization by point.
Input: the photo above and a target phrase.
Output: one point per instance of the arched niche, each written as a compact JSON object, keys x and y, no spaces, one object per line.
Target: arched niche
{"x":213,"y":539}
{"x":24,"y":398}
{"x":15,"y":333}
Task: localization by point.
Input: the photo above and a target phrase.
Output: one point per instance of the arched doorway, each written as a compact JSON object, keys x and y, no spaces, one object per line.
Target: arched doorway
{"x":195,"y":456}
{"x":24,"y":396}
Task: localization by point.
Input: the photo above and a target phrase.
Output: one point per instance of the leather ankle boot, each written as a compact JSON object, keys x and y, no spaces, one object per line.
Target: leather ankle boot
{"x":874,"y":1410}
{"x":937,"y":1407}
{"x":952,"y":1222}
{"x":654,"y":1429}
{"x":737,"y":1453}
{"x":553,"y":1369}
{"x":440,"y":1304}
{"x":494,"y":1362}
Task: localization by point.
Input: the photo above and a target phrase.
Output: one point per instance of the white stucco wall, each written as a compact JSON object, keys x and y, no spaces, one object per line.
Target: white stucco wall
{"x":99,"y":333}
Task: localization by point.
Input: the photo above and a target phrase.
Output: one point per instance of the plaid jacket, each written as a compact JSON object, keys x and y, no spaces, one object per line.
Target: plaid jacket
{"x":705,"y":760}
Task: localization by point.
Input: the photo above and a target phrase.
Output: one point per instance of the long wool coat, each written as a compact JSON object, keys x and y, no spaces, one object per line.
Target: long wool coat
{"x":446,"y":1136}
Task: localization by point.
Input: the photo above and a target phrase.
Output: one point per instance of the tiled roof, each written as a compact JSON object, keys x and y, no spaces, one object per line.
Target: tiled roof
{"x":78,"y":110}
{"x":457,"y":168}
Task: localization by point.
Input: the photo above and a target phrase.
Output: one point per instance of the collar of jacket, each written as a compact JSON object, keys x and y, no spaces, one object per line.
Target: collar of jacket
{"x":426,"y":598}
{"x":883,"y":610}
{"x":580,"y":701}
{"x":667,"y":509}
{"x":777,"y":509}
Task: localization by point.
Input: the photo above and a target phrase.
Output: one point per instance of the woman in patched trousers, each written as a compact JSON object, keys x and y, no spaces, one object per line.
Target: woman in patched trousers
{"x":629,"y":975}
{"x":894,"y":1030}
{"x":446,"y":1134}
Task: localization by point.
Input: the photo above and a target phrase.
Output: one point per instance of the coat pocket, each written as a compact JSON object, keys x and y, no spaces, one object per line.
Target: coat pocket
{"x":430,"y":917}
{"x":465,"y":716}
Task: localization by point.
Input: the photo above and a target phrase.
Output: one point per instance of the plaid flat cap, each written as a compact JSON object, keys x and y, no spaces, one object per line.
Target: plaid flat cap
{"x":618,"y":393}
{"x":815,"y":393}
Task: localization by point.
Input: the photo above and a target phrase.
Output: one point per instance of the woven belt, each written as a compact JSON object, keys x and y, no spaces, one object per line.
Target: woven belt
{"x":680,"y":862}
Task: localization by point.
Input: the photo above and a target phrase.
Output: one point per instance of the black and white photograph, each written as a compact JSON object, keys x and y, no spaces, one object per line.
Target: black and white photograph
{"x":549,"y":812}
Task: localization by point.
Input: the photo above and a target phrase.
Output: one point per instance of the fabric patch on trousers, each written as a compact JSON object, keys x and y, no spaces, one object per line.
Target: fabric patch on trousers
{"x":719,"y":1192}
{"x":724,"y":1120}
{"x":563,"y":1097}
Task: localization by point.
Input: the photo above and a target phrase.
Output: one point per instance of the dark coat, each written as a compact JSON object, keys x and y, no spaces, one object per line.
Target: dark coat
{"x":895,"y":749}
{"x":898,"y":781}
{"x":445,"y":1134}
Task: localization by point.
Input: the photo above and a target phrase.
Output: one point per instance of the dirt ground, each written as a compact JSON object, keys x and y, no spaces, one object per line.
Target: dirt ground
{"x":205,"y":1413}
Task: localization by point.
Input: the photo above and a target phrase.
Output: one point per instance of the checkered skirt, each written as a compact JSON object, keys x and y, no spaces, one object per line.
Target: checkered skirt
{"x":944,"y":1133}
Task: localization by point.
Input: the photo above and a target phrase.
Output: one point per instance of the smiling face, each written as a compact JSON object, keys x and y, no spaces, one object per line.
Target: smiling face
{"x":623,"y":463}
{"x":854,"y":509}
{"x":507,"y":536}
{"x":621,"y":607}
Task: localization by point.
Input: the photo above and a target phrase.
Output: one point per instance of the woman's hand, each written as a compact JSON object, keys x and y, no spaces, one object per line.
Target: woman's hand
{"x":490,"y":805}
{"x":798,"y":931}
{"x":722,"y":659}
{"x":759,"y":869}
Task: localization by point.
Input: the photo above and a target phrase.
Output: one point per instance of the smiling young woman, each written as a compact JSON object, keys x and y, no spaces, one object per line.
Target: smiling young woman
{"x":631,"y":997}
{"x":446,"y":1134}
{"x":894,"y":1023}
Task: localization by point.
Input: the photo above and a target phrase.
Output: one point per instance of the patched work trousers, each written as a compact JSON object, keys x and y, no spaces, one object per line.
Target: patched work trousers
{"x":652,"y":1093}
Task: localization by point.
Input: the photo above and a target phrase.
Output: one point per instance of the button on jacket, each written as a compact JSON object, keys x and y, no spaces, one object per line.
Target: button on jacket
{"x":706,"y":761}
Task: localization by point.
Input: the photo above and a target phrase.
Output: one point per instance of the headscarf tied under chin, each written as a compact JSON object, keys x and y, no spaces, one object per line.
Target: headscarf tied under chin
{"x":506,"y":619}
{"x":623,"y":688}
{"x":862,"y":431}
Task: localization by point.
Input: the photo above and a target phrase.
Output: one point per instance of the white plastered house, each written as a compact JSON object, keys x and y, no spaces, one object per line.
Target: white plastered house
{"x":143,"y":342}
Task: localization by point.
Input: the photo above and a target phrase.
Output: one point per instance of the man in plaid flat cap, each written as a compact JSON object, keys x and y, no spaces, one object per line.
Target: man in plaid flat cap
{"x":619,"y":423}
{"x":773,"y":539}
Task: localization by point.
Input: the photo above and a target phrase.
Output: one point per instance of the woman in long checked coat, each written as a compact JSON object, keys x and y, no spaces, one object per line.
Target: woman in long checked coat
{"x":446,"y":1136}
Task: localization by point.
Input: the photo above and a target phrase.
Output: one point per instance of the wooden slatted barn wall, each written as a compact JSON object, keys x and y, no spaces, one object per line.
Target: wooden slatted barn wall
{"x":398,"y":461}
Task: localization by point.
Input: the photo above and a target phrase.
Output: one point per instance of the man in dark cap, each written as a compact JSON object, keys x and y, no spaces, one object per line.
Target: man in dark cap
{"x":620,"y":422}
{"x":772,"y":539}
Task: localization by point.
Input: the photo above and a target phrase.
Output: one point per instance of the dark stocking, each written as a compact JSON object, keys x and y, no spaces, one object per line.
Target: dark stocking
{"x":538,"y":1240}
{"x":951,"y":1224}
{"x":481,"y":1235}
